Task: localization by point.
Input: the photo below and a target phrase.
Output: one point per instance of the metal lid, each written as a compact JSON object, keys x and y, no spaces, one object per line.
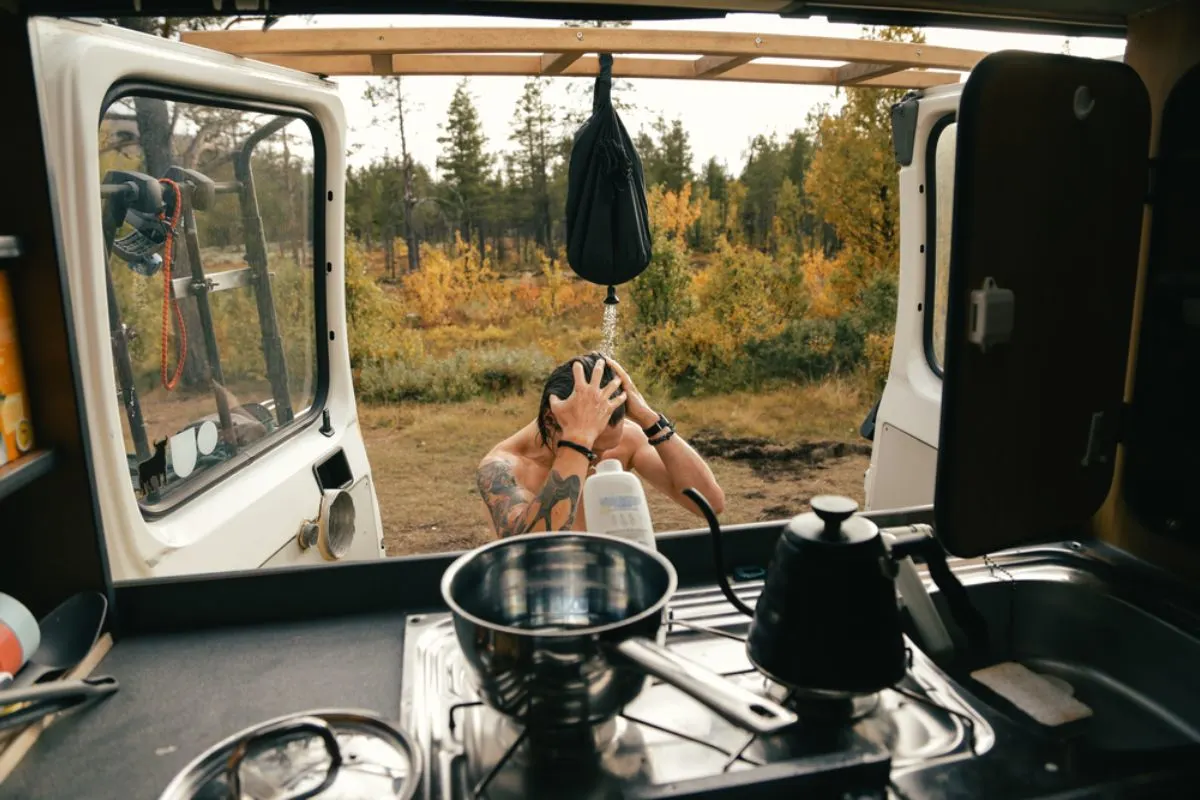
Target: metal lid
{"x":1049,"y":188}
{"x":832,"y":521}
{"x":319,"y":754}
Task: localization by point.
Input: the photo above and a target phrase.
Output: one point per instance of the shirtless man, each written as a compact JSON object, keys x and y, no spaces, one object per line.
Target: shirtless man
{"x":590,"y":410}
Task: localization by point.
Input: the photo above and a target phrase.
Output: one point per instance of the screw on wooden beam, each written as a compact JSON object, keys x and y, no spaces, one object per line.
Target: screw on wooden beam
{"x":555,"y":63}
{"x":711,"y":66}
{"x":381,"y":64}
{"x":850,"y":74}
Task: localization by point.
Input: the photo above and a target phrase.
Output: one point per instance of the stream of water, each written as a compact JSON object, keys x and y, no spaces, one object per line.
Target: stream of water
{"x":609,"y":331}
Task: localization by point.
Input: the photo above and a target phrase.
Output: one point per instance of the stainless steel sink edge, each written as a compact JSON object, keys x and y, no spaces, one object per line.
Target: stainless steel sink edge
{"x":1095,"y":564}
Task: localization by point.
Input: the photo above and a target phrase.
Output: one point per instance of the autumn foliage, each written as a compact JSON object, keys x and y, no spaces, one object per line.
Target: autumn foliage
{"x":784,"y":273}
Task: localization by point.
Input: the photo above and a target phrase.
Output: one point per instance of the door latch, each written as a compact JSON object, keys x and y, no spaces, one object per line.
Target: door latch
{"x":991,"y":315}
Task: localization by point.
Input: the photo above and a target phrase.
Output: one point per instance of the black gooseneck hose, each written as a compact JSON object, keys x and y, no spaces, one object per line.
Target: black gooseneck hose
{"x":714,"y":528}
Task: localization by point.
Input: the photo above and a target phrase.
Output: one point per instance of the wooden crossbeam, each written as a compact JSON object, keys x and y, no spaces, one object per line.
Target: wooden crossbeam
{"x":555,"y":63}
{"x":633,"y":41}
{"x":589,"y":66}
{"x":851,"y":74}
{"x":381,"y":64}
{"x":711,"y":66}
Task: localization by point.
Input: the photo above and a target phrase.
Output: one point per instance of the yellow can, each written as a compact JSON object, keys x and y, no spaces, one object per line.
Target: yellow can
{"x":16,"y":431}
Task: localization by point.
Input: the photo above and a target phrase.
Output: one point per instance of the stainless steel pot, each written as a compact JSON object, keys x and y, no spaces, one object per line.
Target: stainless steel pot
{"x":559,"y":630}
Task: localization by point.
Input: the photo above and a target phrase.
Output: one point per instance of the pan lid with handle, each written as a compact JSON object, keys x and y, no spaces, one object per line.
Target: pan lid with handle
{"x":323,"y":754}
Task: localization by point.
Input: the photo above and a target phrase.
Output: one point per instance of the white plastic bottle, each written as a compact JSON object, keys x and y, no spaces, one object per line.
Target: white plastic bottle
{"x":614,"y":504}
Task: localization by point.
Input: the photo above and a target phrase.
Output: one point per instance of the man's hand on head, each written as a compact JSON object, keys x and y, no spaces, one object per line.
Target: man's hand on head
{"x":636,"y":407}
{"x":583,"y":416}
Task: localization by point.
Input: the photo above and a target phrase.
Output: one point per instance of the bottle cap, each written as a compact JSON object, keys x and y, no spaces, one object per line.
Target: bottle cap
{"x":609,"y":465}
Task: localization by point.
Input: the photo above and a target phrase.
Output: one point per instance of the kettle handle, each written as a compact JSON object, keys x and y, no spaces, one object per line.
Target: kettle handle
{"x":714,"y":528}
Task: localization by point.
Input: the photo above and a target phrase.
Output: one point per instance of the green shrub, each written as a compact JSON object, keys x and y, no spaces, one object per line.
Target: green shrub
{"x":661,"y":293}
{"x":462,"y":376}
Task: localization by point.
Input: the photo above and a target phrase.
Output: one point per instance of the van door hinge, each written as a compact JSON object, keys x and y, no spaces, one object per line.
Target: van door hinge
{"x":1105,"y":432}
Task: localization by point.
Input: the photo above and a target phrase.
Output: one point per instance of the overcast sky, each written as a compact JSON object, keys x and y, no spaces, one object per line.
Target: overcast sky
{"x":720,"y":117}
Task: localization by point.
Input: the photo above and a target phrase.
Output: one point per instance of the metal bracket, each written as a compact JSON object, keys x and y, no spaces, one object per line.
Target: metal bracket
{"x":214,"y":282}
{"x":991,"y":320}
{"x":10,"y":247}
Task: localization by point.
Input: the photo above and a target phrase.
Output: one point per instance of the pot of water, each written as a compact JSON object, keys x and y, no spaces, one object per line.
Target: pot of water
{"x":560,"y":630}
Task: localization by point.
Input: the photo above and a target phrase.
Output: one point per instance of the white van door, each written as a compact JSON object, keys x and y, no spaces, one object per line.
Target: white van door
{"x":905,"y":431}
{"x":199,"y":211}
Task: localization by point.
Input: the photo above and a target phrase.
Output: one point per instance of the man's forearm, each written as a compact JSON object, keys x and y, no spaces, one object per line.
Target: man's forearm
{"x":555,"y":505}
{"x":686,"y":469}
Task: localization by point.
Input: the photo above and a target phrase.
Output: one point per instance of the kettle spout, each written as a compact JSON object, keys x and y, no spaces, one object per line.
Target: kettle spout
{"x":714,"y":528}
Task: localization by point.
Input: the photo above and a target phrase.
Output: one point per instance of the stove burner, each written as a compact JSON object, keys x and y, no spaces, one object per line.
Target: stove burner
{"x":581,"y":744}
{"x":819,"y":710}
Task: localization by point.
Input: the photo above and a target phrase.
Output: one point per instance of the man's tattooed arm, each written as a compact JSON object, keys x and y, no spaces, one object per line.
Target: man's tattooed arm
{"x":505,"y":499}
{"x":515,"y":510}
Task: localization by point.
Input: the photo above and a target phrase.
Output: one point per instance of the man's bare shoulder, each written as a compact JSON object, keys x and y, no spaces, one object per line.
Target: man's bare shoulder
{"x":501,"y":469}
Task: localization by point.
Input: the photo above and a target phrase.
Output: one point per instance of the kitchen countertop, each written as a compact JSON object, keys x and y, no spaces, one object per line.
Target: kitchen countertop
{"x":181,"y":693}
{"x":194,"y":670}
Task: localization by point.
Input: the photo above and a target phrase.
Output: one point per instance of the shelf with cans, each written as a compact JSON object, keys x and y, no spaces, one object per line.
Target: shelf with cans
{"x":20,"y":460}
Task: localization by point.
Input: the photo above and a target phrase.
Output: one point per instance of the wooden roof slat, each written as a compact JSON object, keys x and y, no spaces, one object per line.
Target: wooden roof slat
{"x":851,"y":74}
{"x":555,"y":63}
{"x":588,"y":66}
{"x":710,"y":66}
{"x":635,"y":41}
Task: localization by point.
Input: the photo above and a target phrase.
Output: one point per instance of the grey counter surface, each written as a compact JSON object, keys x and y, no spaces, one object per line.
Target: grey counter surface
{"x":181,"y":693}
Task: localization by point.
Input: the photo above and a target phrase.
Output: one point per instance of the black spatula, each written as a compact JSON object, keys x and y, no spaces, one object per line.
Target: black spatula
{"x":68,"y":633}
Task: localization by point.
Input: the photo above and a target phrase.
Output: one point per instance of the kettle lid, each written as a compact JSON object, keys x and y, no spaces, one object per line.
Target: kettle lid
{"x":833,"y":520}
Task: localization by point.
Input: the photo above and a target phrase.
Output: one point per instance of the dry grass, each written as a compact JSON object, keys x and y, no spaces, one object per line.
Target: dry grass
{"x":423,"y":457}
{"x":830,"y":410}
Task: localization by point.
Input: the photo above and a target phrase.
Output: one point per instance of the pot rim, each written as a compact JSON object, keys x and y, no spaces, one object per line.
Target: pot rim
{"x":656,"y":608}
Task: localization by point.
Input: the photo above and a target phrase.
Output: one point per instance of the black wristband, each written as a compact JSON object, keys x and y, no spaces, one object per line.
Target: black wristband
{"x":660,"y":425}
{"x":656,"y":442}
{"x":578,"y":448}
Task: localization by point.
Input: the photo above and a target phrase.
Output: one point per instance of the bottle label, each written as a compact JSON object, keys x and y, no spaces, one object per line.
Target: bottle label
{"x":620,"y":502}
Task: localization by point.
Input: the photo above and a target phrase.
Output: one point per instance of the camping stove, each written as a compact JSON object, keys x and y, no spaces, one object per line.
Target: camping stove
{"x":667,"y":745}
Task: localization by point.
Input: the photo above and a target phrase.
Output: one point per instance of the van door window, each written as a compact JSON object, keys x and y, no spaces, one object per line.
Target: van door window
{"x":209,"y":215}
{"x":940,"y":219}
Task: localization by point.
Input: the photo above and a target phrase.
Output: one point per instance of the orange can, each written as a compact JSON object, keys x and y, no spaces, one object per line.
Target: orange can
{"x":16,"y":431}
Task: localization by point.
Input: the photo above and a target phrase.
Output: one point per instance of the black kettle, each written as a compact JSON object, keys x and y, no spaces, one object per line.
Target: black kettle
{"x":827,"y":622}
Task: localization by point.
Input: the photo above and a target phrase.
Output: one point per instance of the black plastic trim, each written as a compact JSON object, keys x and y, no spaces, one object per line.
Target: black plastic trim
{"x":252,"y":597}
{"x":1114,"y":26}
{"x":211,"y":478}
{"x":478,"y":8}
{"x":904,"y":128}
{"x":931,"y":221}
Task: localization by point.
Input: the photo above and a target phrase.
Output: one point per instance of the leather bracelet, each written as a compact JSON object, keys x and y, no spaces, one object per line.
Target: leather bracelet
{"x":578,"y":448}
{"x":656,"y":442}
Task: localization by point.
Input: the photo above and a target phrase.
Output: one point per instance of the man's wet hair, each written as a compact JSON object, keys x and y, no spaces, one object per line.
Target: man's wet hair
{"x":561,"y":383}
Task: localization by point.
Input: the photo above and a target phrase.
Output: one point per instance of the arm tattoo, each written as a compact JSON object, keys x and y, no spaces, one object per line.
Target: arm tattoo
{"x":556,"y":490}
{"x":502,"y":494}
{"x":515,"y":510}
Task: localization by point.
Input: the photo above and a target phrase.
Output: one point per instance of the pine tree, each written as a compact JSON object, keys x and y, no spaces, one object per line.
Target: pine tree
{"x":387,"y":96}
{"x":465,"y":164}
{"x":531,"y":132}
{"x":667,"y":155}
